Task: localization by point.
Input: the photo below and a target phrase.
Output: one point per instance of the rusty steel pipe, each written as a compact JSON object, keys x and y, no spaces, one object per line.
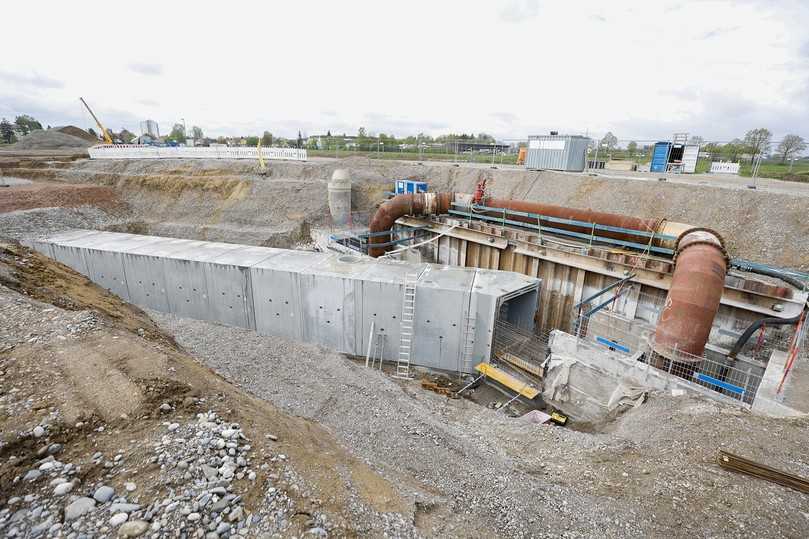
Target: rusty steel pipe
{"x":589,"y":216}
{"x":693,"y":299}
{"x":399,"y":206}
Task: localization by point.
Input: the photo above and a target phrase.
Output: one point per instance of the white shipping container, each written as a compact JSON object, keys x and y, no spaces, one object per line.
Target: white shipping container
{"x":690,"y":155}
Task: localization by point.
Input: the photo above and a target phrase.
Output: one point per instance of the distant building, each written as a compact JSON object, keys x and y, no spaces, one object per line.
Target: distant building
{"x":149,"y":127}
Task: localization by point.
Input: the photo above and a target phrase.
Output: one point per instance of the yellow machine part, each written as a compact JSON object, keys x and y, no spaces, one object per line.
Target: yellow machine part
{"x":520,"y":363}
{"x":507,"y":380}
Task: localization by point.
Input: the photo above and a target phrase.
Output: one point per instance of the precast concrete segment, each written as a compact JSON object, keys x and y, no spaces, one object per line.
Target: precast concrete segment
{"x":693,"y":299}
{"x":327,"y":299}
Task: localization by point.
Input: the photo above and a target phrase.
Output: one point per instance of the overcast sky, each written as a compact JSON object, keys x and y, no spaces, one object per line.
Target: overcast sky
{"x":642,"y":70}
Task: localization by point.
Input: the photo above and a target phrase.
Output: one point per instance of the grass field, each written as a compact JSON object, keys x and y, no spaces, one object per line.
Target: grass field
{"x":778,"y":170}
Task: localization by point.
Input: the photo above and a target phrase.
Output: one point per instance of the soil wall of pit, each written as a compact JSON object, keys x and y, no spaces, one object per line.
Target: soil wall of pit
{"x":230,"y":201}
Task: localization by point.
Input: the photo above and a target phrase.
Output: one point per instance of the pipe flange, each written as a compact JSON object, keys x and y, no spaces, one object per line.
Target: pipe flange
{"x":711,"y":231}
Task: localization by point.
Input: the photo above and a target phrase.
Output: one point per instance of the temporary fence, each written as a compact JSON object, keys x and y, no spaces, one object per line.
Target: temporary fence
{"x":143,"y":151}
{"x":723,"y":167}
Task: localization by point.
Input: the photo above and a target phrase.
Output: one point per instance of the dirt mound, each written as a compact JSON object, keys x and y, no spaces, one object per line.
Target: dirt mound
{"x":50,"y":139}
{"x":74,"y":131}
{"x":46,"y":195}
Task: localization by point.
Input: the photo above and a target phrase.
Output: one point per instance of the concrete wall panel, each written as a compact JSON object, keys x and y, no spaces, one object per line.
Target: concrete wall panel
{"x":229,"y":297}
{"x":106,"y":269}
{"x":276,"y":303}
{"x":146,"y":281}
{"x":72,"y":257}
{"x":186,"y":288}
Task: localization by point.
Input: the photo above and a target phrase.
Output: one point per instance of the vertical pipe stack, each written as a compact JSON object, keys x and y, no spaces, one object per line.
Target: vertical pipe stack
{"x":693,"y":299}
{"x":340,"y":197}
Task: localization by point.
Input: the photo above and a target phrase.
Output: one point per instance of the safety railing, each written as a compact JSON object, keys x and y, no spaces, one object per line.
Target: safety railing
{"x":142,"y":151}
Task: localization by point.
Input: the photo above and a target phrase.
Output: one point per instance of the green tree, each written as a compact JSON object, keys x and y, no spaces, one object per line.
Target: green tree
{"x":609,"y":141}
{"x":632,"y":148}
{"x":252,"y":141}
{"x":300,"y":140}
{"x":126,"y":136}
{"x":177,"y":133}
{"x":758,"y":142}
{"x":266,"y":139}
{"x":732,"y":150}
{"x":196,"y":133}
{"x":26,"y":124}
{"x":790,"y":147}
{"x":7,"y":131}
{"x":362,"y":138}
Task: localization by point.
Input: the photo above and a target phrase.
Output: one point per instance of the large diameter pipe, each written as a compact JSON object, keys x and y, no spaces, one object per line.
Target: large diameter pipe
{"x":693,"y":299}
{"x":588,"y":216}
{"x":399,"y":206}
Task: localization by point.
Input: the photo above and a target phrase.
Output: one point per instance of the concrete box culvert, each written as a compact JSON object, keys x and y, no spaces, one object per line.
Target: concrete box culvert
{"x":333,"y":300}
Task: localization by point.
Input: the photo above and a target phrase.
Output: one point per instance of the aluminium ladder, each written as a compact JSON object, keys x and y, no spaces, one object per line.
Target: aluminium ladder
{"x":469,"y":343}
{"x":406,"y":327}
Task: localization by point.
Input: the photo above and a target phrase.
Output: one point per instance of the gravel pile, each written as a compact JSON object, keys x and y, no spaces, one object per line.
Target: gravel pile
{"x":472,"y":471}
{"x":50,"y":139}
{"x":443,"y":453}
{"x":204,"y":466}
{"x":43,"y":222}
{"x":24,"y":321}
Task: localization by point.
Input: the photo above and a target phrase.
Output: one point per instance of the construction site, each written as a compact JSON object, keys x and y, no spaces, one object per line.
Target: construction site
{"x":207,"y":342}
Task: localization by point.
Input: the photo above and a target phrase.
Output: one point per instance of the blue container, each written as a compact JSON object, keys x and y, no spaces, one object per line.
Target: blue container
{"x":660,"y":157}
{"x":410,"y":186}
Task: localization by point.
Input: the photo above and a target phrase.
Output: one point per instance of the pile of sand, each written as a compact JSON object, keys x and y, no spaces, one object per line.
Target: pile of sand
{"x":50,"y":139}
{"x":77,"y":132}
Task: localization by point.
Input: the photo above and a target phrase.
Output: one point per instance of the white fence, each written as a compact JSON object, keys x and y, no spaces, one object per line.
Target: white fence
{"x":141,"y":151}
{"x":723,"y":167}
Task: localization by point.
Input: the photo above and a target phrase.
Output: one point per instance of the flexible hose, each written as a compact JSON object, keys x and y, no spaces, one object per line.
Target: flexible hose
{"x":741,"y":341}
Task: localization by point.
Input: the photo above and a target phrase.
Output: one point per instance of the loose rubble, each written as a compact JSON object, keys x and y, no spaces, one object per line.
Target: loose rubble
{"x":204,"y":469}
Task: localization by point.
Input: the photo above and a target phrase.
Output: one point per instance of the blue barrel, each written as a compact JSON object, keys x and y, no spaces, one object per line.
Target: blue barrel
{"x":660,"y":157}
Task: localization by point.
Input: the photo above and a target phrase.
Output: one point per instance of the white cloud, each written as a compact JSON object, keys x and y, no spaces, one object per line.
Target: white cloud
{"x":641,"y":70}
{"x":146,"y":69}
{"x":29,"y":79}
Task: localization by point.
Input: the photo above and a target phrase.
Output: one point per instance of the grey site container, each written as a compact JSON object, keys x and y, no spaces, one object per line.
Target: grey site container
{"x":557,"y":152}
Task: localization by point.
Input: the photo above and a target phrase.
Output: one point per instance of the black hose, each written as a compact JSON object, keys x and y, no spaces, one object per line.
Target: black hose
{"x":757,"y":324}
{"x":770,"y":272}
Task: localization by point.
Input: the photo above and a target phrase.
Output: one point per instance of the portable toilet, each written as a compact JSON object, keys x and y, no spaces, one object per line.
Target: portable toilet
{"x":660,"y":157}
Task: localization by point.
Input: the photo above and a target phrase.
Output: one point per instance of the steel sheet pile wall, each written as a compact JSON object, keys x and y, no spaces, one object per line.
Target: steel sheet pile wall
{"x":327,"y":299}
